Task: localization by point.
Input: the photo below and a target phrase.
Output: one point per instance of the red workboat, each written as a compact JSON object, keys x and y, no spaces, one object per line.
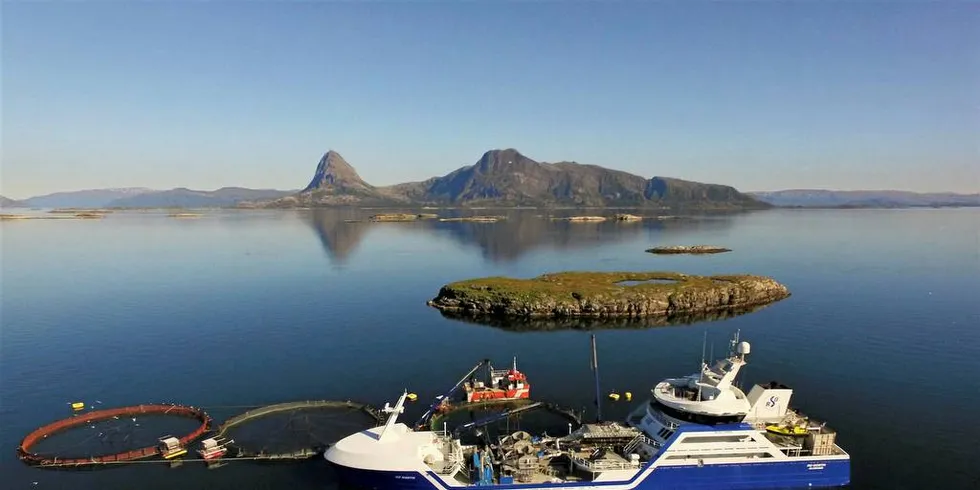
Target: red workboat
{"x":504,"y":384}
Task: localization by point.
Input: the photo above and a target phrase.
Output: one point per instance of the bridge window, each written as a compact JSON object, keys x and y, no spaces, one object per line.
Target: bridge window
{"x":695,"y":418}
{"x":704,"y":439}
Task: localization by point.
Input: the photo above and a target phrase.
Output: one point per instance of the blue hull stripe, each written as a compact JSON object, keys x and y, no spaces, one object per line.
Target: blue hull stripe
{"x":783,"y":474}
{"x":743,"y":476}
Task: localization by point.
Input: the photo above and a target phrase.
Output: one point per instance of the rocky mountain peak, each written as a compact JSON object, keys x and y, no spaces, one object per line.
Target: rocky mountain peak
{"x":334,"y":171}
{"x":495,"y":160}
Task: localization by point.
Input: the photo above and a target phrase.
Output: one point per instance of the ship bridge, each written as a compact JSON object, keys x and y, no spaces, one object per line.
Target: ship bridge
{"x":711,"y":391}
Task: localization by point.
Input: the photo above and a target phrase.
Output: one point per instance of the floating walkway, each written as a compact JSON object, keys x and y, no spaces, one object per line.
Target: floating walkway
{"x":34,"y":459}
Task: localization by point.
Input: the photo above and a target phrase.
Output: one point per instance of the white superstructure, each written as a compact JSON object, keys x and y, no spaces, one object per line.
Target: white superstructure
{"x":710,"y":397}
{"x":396,"y":447}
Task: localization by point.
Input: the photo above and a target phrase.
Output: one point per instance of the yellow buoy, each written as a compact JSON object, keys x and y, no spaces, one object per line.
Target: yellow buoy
{"x":78,"y":405}
{"x":614,"y":396}
{"x":629,"y":396}
{"x":411,"y":397}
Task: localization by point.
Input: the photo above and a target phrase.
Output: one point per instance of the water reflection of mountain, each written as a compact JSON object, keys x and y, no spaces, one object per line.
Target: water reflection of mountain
{"x":525,"y":325}
{"x":338,"y":231}
{"x":521,"y":232}
{"x":341,"y":231}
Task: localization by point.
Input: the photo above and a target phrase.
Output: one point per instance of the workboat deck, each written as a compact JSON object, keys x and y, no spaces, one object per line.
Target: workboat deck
{"x":608,"y":431}
{"x":603,"y":461}
{"x":816,"y":439}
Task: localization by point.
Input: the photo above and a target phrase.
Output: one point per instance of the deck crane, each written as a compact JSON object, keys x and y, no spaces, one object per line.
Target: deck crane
{"x":446,"y":396}
{"x":493,"y":418}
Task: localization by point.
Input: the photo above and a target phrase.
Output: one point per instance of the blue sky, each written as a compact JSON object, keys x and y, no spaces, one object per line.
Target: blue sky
{"x":760,"y":95}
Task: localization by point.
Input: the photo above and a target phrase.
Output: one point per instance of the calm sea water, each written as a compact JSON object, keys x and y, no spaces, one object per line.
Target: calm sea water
{"x":881,"y":336}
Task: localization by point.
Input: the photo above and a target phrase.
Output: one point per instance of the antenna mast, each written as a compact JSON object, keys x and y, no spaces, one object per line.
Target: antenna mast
{"x":701,"y":371}
{"x":595,"y":370}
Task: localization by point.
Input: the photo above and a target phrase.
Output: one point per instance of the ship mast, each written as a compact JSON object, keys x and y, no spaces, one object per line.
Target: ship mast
{"x":595,"y":370}
{"x":703,"y":365}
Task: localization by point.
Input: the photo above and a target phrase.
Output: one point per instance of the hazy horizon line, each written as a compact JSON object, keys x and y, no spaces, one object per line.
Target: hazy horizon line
{"x":300,"y":189}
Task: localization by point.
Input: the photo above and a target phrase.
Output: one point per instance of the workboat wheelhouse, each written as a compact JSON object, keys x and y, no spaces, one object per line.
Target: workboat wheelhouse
{"x":503,"y":384}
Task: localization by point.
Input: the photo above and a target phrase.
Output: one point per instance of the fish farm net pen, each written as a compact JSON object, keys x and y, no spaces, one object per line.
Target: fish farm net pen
{"x":167,"y":461}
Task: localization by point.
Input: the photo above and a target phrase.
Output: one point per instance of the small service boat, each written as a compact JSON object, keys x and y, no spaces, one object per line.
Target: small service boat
{"x":788,"y":430}
{"x":214,"y":448}
{"x":503,"y":384}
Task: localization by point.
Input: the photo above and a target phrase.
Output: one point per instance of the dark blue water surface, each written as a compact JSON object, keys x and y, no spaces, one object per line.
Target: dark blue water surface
{"x":881,"y":336}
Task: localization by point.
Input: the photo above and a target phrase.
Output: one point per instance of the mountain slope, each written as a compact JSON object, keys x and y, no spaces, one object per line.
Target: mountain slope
{"x":6,"y":202}
{"x":829,"y":198}
{"x":187,"y":198}
{"x":90,"y":198}
{"x":684,"y":193}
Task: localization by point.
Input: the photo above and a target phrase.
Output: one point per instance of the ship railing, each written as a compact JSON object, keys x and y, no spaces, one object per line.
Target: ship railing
{"x":442,"y":433}
{"x":604,"y":465}
{"x":639,"y":439}
{"x":455,"y":459}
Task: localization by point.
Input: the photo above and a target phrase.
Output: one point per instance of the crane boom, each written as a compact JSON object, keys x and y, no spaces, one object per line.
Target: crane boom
{"x":494,"y":418}
{"x":432,"y":408}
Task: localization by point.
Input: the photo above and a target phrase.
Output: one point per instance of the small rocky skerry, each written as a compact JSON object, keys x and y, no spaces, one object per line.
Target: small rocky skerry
{"x":606,"y":295}
{"x":401,"y":217}
{"x":688,"y":249}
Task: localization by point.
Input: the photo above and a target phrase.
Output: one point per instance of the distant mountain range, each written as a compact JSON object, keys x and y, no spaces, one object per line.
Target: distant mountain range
{"x":508,"y":178}
{"x":870,"y":199}
{"x":502,"y":178}
{"x":6,"y":202}
{"x":90,"y":198}
{"x":187,"y":198}
{"x":140,"y":197}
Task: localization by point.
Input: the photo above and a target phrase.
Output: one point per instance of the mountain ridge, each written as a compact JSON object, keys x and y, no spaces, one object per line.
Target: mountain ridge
{"x":6,"y":202}
{"x":86,"y":198}
{"x":864,"y":198}
{"x":182,"y":197}
{"x":506,"y":177}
